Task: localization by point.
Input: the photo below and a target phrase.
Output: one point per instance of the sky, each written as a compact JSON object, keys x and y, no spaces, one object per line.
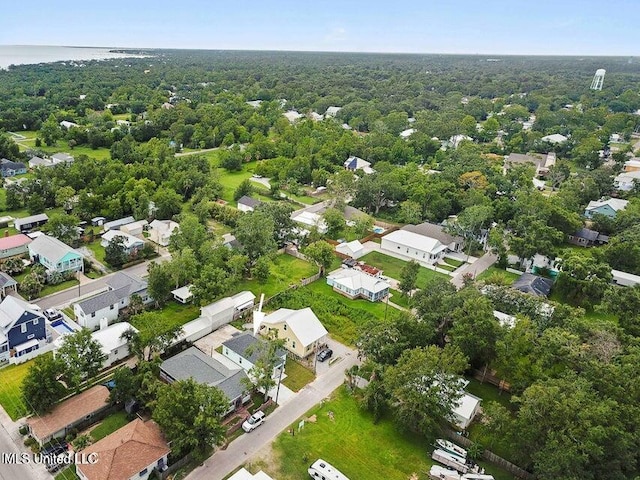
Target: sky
{"x":532,"y":27}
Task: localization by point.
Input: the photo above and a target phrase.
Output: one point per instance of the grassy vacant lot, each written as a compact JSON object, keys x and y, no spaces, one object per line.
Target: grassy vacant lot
{"x":172,"y":314}
{"x":109,"y":425}
{"x":297,"y":375}
{"x":286,"y":271}
{"x":340,"y":315}
{"x":392,"y":267}
{"x":399,"y":298}
{"x":493,"y":272}
{"x":97,"y":249}
{"x":231,"y":180}
{"x":352,"y":443}
{"x":10,"y":389}
{"x":49,"y":289}
{"x":489,"y":393}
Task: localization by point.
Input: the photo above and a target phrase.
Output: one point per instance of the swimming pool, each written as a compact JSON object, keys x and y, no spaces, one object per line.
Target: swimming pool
{"x":378,"y":230}
{"x":61,"y":327}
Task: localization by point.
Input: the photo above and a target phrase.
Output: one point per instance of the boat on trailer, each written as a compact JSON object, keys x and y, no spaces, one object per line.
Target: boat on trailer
{"x":451,"y":447}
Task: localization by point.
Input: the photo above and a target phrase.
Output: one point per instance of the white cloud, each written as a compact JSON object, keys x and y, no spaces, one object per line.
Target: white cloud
{"x":336,"y":35}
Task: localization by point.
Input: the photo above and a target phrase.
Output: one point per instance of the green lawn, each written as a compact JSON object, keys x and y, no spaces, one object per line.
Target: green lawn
{"x":10,"y":389}
{"x":392,"y":267}
{"x":49,"y":289}
{"x":453,"y":262}
{"x":353,"y":444}
{"x":68,"y":473}
{"x":172,"y":314}
{"x":62,"y":146}
{"x":489,"y":393}
{"x":297,"y":375}
{"x":96,"y":249}
{"x":109,"y":425}
{"x":231,"y":180}
{"x":446,"y":266}
{"x":497,"y":274}
{"x":285,"y":271}
{"x":340,"y":315}
{"x":399,"y":298}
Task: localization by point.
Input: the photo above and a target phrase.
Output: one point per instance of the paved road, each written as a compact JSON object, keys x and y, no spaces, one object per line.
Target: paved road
{"x":196,"y":152}
{"x":9,"y":438}
{"x":475,"y":268}
{"x":66,"y":297}
{"x":223,"y":462}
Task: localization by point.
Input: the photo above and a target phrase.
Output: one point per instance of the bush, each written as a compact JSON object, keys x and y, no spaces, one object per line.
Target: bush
{"x":23,"y":430}
{"x":81,"y":442}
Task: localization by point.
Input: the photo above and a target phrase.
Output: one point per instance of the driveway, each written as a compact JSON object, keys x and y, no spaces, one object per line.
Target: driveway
{"x":223,"y":462}
{"x":261,"y":181}
{"x":210,"y":342}
{"x":475,"y":268}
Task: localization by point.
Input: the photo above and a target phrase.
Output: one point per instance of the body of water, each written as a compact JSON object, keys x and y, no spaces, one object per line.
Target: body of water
{"x":32,"y":54}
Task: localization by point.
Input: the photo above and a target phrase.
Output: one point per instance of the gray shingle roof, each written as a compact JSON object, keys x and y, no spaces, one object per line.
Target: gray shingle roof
{"x":192,"y":363}
{"x":103,"y":300}
{"x":6,"y":280}
{"x":122,"y":279}
{"x":241,"y":343}
{"x":533,"y":284}
{"x":590,"y":235}
{"x":51,"y":248}
{"x":433,"y":231}
{"x":249,"y":201}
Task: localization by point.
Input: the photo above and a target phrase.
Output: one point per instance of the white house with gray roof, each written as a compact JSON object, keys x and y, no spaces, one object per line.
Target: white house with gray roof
{"x":245,"y":349}
{"x":131,"y":244}
{"x":104,"y":308}
{"x":217,"y":372}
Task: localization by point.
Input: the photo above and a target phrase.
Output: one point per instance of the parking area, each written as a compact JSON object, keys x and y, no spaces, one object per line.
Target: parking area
{"x":210,"y":342}
{"x":340,"y":352}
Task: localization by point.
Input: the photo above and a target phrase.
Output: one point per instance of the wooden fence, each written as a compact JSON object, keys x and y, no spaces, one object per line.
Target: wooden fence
{"x":490,"y":376}
{"x":491,"y":457}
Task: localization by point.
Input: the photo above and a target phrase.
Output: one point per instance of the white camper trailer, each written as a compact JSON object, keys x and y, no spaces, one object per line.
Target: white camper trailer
{"x":321,"y":470}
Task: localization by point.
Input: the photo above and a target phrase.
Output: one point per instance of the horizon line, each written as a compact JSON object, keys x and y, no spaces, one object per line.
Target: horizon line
{"x":478,"y":54}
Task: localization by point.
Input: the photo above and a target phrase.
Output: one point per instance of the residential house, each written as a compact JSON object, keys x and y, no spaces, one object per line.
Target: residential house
{"x":625,"y":181}
{"x":555,"y":138}
{"x":14,"y":245}
{"x":405,"y":134}
{"x":609,"y":207}
{"x":542,"y":162}
{"x":11,"y":169}
{"x":67,"y":124}
{"x":244,"y":474}
{"x":116,"y":224}
{"x":247,"y":204}
{"x":22,"y":328}
{"x":301,"y":330}
{"x":244,"y":351}
{"x":354,"y":163}
{"x":134,"y":228}
{"x":182,"y":294}
{"x":413,"y":246}
{"x":55,"y":256}
{"x":431,"y":230}
{"x":293,"y":116}
{"x":217,"y":372}
{"x":625,"y":279}
{"x":160,"y":231}
{"x":456,"y":140}
{"x":7,"y":284}
{"x":113,"y":346}
{"x":332,"y":112}
{"x":104,"y":308}
{"x":40,"y":162}
{"x":27,"y":223}
{"x":352,"y":249}
{"x":73,"y":413}
{"x":357,"y":284}
{"x":131,"y":244}
{"x":61,"y":158}
{"x":588,"y":238}
{"x":632,"y":165}
{"x":315,"y":116}
{"x":310,"y":219}
{"x":533,"y":284}
{"x":134,"y":451}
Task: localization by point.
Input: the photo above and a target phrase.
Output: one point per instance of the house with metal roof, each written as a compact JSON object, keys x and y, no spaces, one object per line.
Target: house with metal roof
{"x":217,"y":372}
{"x":55,"y":255}
{"x":301,"y":329}
{"x":136,"y":450}
{"x":131,"y":244}
{"x":61,"y":158}
{"x":112,"y":345}
{"x":354,"y":283}
{"x":27,"y":223}
{"x":609,"y":207}
{"x":413,"y":246}
{"x":22,"y":328}
{"x":14,"y":245}
{"x":116,"y":224}
{"x":160,"y":231}
{"x":354,"y":163}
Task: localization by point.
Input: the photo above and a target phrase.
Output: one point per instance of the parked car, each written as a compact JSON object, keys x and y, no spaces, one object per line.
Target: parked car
{"x":54,"y":463}
{"x":254,"y":421}
{"x":325,"y":354}
{"x":52,"y":314}
{"x":55,"y":448}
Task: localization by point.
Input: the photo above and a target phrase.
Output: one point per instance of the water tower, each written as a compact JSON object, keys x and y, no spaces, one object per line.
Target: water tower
{"x":598,"y":79}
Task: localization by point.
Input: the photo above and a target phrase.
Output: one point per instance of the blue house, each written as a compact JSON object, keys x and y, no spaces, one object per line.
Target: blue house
{"x":608,"y":208}
{"x":22,"y":328}
{"x":55,"y":255}
{"x":11,"y":169}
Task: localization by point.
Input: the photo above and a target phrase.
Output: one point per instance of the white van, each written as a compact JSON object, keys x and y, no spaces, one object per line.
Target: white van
{"x":321,"y":470}
{"x":253,"y":422}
